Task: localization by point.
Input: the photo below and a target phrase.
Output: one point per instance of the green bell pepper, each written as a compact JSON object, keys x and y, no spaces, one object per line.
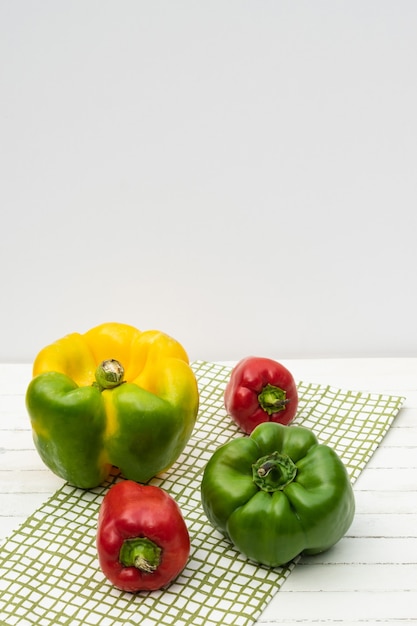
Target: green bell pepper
{"x":278,"y":493}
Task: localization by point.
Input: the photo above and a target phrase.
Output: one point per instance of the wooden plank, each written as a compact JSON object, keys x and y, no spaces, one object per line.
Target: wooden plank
{"x":384,"y":502}
{"x":403,"y":479}
{"x":16,"y":440}
{"x":340,"y":607}
{"x":406,"y":416}
{"x":9,"y":524}
{"x":373,"y":550}
{"x":401,"y":436}
{"x":14,"y":505}
{"x":21,"y":482}
{"x":361,"y":577}
{"x":367,"y":578}
{"x":389,"y":457}
{"x":388,"y":525}
{"x":23,"y":460}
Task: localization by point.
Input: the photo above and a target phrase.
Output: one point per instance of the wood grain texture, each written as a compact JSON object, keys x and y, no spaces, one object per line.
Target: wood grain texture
{"x":369,"y":577}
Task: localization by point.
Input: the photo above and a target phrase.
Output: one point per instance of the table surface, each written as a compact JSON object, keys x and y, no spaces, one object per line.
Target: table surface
{"x":370,"y":577}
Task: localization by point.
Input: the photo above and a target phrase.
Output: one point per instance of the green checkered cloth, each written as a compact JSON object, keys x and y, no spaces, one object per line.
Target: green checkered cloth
{"x":49,"y":572}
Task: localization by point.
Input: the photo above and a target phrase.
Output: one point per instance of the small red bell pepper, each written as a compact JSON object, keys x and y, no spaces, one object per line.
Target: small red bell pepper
{"x":142,"y":539}
{"x":260,"y":390}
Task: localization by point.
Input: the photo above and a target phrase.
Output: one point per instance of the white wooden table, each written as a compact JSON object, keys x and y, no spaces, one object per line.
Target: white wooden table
{"x":370,"y":577}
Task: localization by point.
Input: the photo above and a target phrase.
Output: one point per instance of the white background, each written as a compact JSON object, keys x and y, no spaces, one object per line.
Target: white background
{"x":239,"y":174}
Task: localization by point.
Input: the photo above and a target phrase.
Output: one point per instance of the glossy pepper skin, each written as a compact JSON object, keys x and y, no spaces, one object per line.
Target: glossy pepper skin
{"x":260,"y":390}
{"x":137,"y":418}
{"x":142,"y":539}
{"x":278,"y":493}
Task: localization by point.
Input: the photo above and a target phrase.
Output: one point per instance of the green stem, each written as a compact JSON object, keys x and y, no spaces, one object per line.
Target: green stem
{"x":109,"y":374}
{"x":273,"y":472}
{"x":272,"y":399}
{"x":141,"y":553}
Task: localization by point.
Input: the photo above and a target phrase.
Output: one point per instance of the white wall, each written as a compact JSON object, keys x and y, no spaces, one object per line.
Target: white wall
{"x":239,"y":174}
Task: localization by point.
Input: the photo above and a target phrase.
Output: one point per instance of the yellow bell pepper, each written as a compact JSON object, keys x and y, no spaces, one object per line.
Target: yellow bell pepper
{"x":113,"y":396}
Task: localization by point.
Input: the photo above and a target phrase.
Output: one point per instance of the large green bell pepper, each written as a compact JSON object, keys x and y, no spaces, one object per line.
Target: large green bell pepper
{"x":278,"y":493}
{"x":113,"y":396}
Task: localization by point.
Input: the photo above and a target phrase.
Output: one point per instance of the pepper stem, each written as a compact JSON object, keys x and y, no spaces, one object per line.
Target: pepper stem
{"x":142,"y":553}
{"x":272,"y":399}
{"x":109,"y":374}
{"x":274,"y":472}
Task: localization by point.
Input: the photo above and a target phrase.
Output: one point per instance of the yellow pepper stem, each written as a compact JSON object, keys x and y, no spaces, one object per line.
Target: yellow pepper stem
{"x":109,"y":374}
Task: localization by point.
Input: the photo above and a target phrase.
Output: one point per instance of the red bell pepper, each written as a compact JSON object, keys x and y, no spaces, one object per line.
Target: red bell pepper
{"x":142,"y":539}
{"x":260,"y":390}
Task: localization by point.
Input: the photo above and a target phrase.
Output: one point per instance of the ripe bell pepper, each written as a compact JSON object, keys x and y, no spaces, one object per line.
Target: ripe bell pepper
{"x":114,"y":396}
{"x":260,"y":390}
{"x":278,"y":493}
{"x":142,"y":539}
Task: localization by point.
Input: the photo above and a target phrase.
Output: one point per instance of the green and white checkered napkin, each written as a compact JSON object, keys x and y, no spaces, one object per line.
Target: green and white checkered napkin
{"x":49,"y":573}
